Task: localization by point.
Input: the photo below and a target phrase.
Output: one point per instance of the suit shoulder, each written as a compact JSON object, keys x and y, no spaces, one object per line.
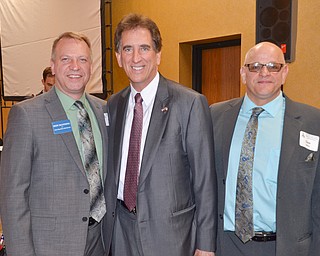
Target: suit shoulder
{"x":32,"y":103}
{"x":224,"y":104}
{"x":180,"y":88}
{"x":96,"y":99}
{"x":114,"y":97}
{"x":303,"y":109}
{"x":308,"y":108}
{"x":183,"y":94}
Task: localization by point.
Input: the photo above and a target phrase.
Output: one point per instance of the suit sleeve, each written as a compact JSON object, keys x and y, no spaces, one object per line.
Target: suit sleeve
{"x":15,"y":179}
{"x":315,"y":246}
{"x":199,"y":145}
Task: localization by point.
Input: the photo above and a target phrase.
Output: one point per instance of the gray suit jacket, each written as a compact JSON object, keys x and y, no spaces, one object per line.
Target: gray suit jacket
{"x":298,"y":195}
{"x":176,"y":200}
{"x":43,"y":203}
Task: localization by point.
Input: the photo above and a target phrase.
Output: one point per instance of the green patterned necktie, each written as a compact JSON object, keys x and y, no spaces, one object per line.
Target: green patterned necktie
{"x":91,"y":163}
{"x":244,"y":228}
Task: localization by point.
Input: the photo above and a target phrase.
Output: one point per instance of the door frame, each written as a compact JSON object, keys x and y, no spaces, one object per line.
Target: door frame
{"x":197,"y":59}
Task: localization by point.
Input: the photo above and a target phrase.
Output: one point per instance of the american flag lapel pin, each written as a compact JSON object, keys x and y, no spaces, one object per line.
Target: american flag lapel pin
{"x":164,"y":110}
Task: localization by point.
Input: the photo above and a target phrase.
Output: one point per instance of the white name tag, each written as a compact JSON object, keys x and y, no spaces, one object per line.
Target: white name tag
{"x":106,"y":119}
{"x":309,"y":141}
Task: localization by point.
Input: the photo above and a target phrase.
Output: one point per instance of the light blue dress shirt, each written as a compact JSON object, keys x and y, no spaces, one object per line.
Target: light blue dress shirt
{"x":265,"y":167}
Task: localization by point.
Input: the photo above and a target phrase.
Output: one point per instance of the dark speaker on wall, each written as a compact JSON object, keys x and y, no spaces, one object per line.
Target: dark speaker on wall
{"x":276,"y":22}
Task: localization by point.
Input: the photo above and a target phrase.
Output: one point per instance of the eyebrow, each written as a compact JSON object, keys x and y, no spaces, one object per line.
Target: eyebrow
{"x":145,"y":46}
{"x":126,"y":46}
{"x":142,"y":45}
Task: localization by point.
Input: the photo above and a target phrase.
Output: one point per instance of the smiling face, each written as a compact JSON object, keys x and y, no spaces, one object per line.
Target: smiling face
{"x":71,"y":65}
{"x":264,"y":86}
{"x":138,"y":57}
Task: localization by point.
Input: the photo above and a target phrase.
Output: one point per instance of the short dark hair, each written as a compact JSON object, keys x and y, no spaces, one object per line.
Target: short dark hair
{"x":46,"y":72}
{"x":70,"y":35}
{"x":133,"y":21}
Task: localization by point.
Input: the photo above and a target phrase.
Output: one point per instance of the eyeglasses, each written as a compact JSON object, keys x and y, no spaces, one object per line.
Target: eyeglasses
{"x":271,"y":66}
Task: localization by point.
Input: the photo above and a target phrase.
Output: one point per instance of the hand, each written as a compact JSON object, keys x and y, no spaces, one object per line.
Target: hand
{"x":203,"y":253}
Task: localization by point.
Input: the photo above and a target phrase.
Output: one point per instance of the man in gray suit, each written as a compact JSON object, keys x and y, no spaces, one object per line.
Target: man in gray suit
{"x":174,"y":206}
{"x":44,"y":191}
{"x":286,"y":167}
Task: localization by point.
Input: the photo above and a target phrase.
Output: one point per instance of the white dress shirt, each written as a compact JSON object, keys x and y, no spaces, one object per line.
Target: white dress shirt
{"x":148,"y":95}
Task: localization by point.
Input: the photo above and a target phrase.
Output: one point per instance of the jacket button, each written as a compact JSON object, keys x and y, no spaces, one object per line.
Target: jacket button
{"x":224,"y":182}
{"x":221,"y":216}
{"x":84,"y":219}
{"x":113,"y":214}
{"x":86,"y":191}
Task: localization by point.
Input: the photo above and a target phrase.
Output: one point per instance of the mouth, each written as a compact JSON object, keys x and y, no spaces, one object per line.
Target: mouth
{"x":137,"y":68}
{"x":264,"y":82}
{"x":74,"y":76}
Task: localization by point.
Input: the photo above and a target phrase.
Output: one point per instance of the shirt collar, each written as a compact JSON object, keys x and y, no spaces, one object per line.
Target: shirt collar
{"x":67,"y":102}
{"x":272,"y":107}
{"x":148,"y":93}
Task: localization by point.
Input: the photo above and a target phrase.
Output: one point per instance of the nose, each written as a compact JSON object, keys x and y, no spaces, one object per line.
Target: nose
{"x":136,"y":55}
{"x":74,"y":65}
{"x":264,"y":71}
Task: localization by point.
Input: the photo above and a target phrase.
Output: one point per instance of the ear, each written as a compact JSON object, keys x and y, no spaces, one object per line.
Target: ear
{"x":118,"y":56}
{"x":158,"y":58}
{"x":52,"y":67}
{"x":243,"y":75}
{"x":284,"y":74}
{"x":42,"y":81}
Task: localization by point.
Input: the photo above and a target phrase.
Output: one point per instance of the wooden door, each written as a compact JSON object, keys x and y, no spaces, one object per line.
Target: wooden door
{"x":220,"y":72}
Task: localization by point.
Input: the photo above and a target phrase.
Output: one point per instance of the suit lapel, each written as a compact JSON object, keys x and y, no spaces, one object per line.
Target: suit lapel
{"x":119,"y":130}
{"x":230,"y":119}
{"x":291,"y":127}
{"x":156,"y":129}
{"x":98,"y":111}
{"x":57,"y":113}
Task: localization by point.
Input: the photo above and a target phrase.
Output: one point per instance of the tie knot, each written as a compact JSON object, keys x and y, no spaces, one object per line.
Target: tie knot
{"x":79,"y":104}
{"x":138,"y":98}
{"x":257,"y":111}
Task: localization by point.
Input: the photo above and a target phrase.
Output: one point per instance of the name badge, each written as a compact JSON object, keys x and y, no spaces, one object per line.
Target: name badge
{"x":309,"y":141}
{"x":106,"y":119}
{"x":62,"y":126}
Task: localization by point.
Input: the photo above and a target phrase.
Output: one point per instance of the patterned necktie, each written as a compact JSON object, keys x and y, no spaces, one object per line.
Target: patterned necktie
{"x":244,"y":200}
{"x":132,"y":171}
{"x":91,"y":164}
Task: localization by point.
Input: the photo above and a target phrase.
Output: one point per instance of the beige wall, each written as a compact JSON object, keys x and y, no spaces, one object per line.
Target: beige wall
{"x":189,"y":20}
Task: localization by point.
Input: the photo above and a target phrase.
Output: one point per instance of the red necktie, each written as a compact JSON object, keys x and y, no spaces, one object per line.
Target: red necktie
{"x":132,"y":171}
